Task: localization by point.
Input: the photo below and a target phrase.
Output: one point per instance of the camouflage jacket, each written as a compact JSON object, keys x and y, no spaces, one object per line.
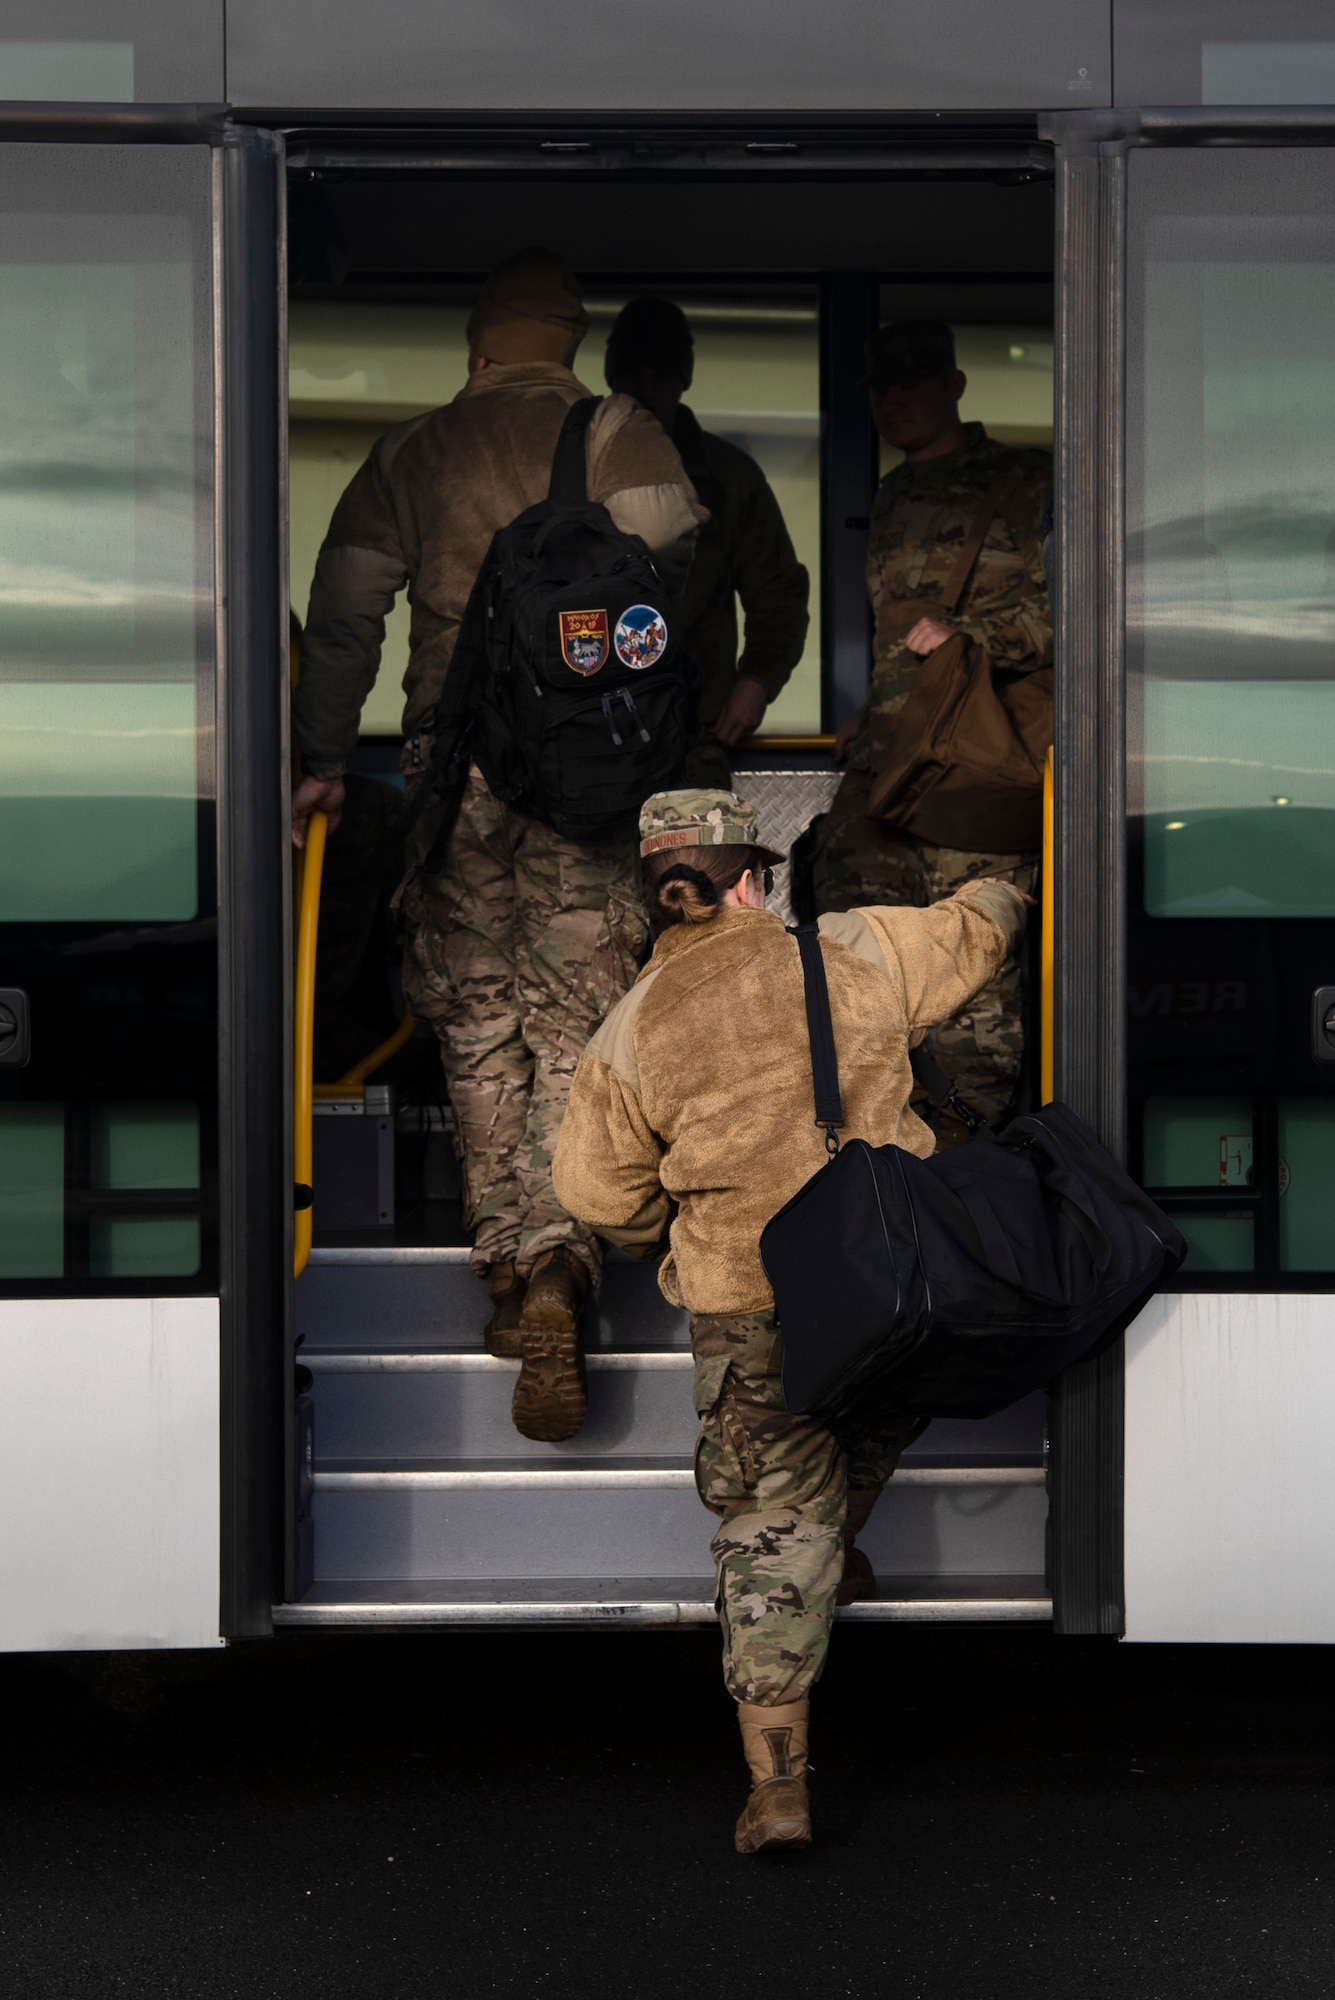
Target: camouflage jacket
{"x":746,"y":552}
{"x":922,"y":513}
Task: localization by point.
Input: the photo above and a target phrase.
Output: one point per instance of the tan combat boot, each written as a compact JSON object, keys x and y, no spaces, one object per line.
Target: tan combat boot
{"x":859,"y":1579}
{"x":777,"y":1816}
{"x":501,"y":1333}
{"x":549,"y":1395}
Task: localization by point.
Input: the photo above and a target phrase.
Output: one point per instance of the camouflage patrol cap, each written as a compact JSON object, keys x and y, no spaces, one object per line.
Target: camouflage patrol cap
{"x":908,"y":351}
{"x":701,"y":818}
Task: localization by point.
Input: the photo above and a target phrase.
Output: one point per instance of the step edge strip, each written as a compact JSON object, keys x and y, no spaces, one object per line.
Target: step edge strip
{"x":645,"y":1478}
{"x":436,"y":1361}
{"x":659,"y":1612}
{"x":388,"y":1253}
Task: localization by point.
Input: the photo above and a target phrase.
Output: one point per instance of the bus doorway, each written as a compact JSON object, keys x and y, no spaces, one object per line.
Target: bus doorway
{"x":414,"y":1500}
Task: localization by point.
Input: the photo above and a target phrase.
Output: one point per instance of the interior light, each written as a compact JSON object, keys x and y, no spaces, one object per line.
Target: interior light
{"x":1174,"y":825}
{"x":1277,"y":801}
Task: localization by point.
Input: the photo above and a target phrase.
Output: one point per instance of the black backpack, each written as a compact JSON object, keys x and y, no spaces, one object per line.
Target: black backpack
{"x":566,"y":687}
{"x":952,"y":1286}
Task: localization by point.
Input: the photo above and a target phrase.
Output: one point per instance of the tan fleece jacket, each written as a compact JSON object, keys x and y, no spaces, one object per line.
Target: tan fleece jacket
{"x":422,"y":511}
{"x":696,"y":1091}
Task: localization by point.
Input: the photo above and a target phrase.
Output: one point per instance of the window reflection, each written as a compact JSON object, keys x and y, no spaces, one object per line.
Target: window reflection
{"x":98,"y":608}
{"x":1231,"y":605}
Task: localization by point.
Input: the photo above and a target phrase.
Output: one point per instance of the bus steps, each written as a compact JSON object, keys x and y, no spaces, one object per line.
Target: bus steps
{"x":430,"y":1509}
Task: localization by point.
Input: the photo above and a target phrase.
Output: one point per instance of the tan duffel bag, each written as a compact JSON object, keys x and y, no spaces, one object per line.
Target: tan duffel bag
{"x":962,"y":763}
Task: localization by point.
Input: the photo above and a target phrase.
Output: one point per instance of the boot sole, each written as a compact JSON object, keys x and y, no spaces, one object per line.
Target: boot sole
{"x":550,"y":1397}
{"x":775,"y":1836}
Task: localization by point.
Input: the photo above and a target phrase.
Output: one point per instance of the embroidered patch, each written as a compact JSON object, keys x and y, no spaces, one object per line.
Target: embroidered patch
{"x":640,"y":637}
{"x":584,"y":640}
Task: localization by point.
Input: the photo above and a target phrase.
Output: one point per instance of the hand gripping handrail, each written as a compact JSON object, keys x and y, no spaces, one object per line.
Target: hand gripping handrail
{"x":303,"y":1055}
{"x":1048,"y":960}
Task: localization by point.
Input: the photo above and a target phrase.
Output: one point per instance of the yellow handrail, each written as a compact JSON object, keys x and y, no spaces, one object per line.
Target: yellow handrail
{"x":1048,"y":914}
{"x":350,"y":1083}
{"x":308,"y":926}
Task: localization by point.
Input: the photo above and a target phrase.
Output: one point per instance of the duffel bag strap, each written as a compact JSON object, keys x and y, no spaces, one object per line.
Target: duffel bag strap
{"x":820,"y":1033}
{"x":940,"y":1088}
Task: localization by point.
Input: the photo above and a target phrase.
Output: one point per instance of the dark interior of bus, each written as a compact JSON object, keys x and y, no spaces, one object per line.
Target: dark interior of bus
{"x":783,"y":272}
{"x":783,"y":278}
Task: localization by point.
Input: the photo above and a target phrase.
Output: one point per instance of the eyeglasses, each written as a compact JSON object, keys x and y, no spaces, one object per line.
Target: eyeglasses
{"x":769,"y":881}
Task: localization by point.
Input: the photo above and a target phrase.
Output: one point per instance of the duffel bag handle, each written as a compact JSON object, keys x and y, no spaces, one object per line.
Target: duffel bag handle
{"x":820,"y":1034}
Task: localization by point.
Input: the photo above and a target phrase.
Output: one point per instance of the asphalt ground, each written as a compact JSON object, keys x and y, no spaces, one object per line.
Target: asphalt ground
{"x":999,"y":1812}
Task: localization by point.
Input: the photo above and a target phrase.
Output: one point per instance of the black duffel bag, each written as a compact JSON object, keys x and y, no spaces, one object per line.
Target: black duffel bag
{"x":952,"y":1286}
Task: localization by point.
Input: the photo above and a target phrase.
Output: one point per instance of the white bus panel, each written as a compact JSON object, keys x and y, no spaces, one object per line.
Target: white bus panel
{"x":109,"y":1471}
{"x":1230,"y":1483}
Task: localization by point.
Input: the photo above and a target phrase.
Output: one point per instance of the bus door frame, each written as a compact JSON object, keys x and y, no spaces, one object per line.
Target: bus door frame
{"x":1087,"y":1434}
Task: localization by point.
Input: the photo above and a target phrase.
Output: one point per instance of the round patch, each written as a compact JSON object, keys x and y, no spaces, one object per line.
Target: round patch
{"x":640,"y":637}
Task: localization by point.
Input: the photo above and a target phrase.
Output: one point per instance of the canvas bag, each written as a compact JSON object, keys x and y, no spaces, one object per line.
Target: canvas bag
{"x":951,"y":1286}
{"x":962,"y":763}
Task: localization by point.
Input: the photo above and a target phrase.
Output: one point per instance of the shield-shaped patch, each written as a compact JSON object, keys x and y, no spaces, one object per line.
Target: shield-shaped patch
{"x":584,"y":640}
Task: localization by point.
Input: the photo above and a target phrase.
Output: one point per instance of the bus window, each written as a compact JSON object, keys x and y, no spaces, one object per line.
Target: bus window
{"x":107,"y":870}
{"x":1231,"y":692}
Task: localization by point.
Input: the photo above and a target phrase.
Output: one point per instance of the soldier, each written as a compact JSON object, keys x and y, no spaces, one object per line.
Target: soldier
{"x":690,"y":1119}
{"x":520,"y":942}
{"x":924,"y":510}
{"x":744,"y":551}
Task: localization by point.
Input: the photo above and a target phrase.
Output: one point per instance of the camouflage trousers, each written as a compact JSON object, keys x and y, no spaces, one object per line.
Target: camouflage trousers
{"x":516,"y":950}
{"x":861,"y":861}
{"x":781,"y":1484}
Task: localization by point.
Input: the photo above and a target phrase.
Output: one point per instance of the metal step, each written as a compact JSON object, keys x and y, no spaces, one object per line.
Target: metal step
{"x":644,"y":1602}
{"x":490,"y":1521}
{"x":444,"y":1403}
{"x":422,"y":1484}
{"x":374,"y":1298}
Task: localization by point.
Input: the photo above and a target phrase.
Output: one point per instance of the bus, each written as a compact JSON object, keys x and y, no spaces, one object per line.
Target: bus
{"x":236,"y":242}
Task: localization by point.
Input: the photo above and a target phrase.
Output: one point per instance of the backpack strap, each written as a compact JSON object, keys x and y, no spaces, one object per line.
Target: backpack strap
{"x":820,"y":1033}
{"x":569,"y":482}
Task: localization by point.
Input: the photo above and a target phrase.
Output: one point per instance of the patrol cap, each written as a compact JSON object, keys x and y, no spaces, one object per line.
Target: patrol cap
{"x":908,"y":351}
{"x":701,"y":819}
{"x":531,"y":309}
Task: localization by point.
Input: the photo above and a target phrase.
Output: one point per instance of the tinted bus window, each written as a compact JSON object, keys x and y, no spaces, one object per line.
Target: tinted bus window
{"x":107,"y":866}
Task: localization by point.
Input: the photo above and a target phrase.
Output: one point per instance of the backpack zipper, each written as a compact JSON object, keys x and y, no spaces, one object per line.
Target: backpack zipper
{"x":645,"y":737}
{"x":607,"y":711}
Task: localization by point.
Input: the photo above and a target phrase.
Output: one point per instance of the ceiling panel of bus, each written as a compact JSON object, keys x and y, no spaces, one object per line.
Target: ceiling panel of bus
{"x":604,"y":56}
{"x":1224,"y":52}
{"x":112,"y":51}
{"x":437,"y":230}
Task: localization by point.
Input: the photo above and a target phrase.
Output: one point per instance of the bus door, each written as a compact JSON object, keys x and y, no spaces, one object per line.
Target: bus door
{"x":1196,"y":770}
{"x":143,"y":1191}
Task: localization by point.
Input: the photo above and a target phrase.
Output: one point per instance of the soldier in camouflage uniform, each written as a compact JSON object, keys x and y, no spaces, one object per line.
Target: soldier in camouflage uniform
{"x":521,"y":940}
{"x":923,"y":513}
{"x":688,"y":1126}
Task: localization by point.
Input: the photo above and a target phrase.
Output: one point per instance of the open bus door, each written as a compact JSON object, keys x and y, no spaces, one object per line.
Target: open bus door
{"x":1195,"y":869}
{"x":144,"y":1179}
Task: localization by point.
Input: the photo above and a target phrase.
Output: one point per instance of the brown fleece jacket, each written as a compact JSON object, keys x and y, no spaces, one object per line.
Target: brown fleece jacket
{"x":696,"y":1091}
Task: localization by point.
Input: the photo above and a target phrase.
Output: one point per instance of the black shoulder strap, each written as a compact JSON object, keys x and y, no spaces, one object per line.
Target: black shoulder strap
{"x":820,"y":1033}
{"x":569,"y":481}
